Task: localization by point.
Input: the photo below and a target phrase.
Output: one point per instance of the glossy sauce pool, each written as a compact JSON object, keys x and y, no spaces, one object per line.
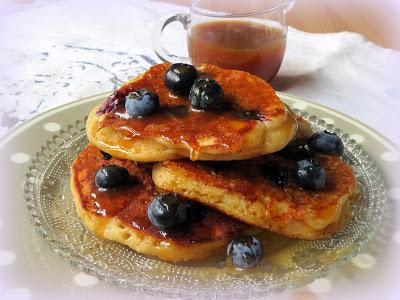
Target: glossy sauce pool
{"x":129,"y":202}
{"x":240,"y":45}
{"x":208,"y":131}
{"x":197,"y":130}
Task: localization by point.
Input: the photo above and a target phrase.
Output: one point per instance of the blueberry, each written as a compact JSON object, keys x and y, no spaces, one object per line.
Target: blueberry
{"x":167,"y":211}
{"x":246,"y":251}
{"x":111,"y":176}
{"x":310,"y":175}
{"x":326,"y":142}
{"x":179,"y":78}
{"x":106,"y":156}
{"x":301,"y":164}
{"x":295,"y":152}
{"x":141,"y":103}
{"x":206,"y":94}
{"x":278,"y":174}
{"x":111,"y":103}
{"x":195,"y":211}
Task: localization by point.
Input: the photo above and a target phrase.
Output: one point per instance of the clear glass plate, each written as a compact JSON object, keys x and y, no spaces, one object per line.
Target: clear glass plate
{"x":288,"y":263}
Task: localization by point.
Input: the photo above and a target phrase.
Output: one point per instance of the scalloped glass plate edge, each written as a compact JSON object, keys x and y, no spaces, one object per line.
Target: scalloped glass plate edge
{"x":85,"y":262}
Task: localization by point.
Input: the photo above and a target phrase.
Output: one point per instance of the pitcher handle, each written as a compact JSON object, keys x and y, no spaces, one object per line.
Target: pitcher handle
{"x":158,"y":47}
{"x":289,"y":5}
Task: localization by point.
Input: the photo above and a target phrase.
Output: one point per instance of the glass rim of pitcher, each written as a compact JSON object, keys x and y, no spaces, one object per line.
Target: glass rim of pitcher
{"x":207,"y":13}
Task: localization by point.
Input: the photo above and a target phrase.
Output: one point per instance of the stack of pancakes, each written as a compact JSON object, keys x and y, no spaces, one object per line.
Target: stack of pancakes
{"x":217,"y":159}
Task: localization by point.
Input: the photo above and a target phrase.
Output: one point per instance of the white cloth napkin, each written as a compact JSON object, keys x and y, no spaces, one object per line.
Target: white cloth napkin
{"x":53,"y":52}
{"x":347,"y":73}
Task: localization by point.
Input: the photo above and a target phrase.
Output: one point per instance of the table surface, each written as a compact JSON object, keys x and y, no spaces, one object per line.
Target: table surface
{"x":340,"y":15}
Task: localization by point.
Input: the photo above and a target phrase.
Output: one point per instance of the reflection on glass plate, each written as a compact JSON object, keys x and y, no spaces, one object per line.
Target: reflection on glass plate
{"x":288,"y":263}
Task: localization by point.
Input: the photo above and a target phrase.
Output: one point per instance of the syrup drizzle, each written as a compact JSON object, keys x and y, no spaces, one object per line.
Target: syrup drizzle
{"x":210,"y":131}
{"x":129,"y":202}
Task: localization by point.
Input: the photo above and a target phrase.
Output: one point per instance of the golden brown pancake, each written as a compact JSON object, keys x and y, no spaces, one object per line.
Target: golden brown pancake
{"x":256,"y":123}
{"x":240,"y":189}
{"x":121,"y":215}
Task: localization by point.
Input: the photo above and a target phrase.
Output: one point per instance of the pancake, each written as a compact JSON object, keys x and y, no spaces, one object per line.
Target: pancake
{"x":240,"y":189}
{"x":254,"y":121}
{"x":121,"y":215}
{"x":303,"y":133}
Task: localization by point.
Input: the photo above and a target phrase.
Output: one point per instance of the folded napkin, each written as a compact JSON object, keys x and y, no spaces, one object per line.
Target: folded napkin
{"x":347,"y":73}
{"x":53,"y":52}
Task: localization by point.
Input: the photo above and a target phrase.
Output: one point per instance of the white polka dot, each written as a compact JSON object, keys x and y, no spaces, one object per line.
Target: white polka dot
{"x":83,"y":279}
{"x":329,"y":120}
{"x":20,"y":158}
{"x":390,"y":156}
{"x":396,"y":237}
{"x":363,"y":261}
{"x":320,"y":286}
{"x":52,"y":127}
{"x":358,"y":138}
{"x":20,"y":294}
{"x":299,"y":105}
{"x":394,"y":193}
{"x":6,"y":257}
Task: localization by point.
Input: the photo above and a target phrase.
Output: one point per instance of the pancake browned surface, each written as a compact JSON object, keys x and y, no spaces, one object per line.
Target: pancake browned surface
{"x":256,"y":123}
{"x":121,"y":215}
{"x":240,"y":190}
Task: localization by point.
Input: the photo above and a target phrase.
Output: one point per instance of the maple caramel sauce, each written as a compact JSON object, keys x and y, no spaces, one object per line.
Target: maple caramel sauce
{"x":184,"y":125}
{"x":177,"y":123}
{"x":129,"y":202}
{"x":130,"y":205}
{"x":257,"y":48}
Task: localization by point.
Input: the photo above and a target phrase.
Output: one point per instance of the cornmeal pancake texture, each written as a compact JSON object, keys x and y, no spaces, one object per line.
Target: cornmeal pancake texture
{"x":253,"y":122}
{"x":241,"y":190}
{"x":121,"y":214}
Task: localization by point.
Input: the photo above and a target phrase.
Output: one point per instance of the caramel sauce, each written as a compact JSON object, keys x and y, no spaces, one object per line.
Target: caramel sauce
{"x":109,"y":202}
{"x":240,"y":45}
{"x":129,"y":203}
{"x":248,"y":100}
{"x":195,"y":129}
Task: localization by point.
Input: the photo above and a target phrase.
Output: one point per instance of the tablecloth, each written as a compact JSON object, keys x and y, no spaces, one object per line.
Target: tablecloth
{"x":53,"y":52}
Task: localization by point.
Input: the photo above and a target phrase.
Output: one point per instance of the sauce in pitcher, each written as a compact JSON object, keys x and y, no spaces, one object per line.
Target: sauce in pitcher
{"x":257,"y":48}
